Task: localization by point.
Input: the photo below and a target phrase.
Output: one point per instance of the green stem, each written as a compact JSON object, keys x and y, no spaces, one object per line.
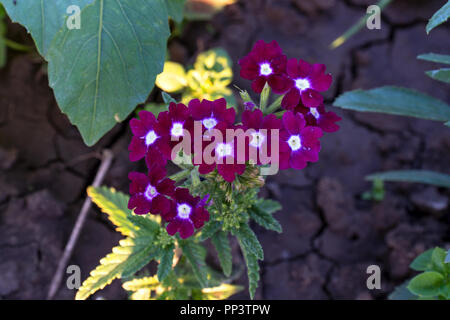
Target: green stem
{"x":17,"y":46}
{"x":274,"y":106}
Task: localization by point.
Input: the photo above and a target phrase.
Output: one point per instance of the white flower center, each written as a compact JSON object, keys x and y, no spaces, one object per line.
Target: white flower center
{"x":265,"y":69}
{"x":295,"y":143}
{"x":302,"y":84}
{"x":150,"y":137}
{"x":184,"y":211}
{"x":177,"y":129}
{"x":257,"y":139}
{"x":150,"y":192}
{"x":209,"y":123}
{"x":315,"y":113}
{"x":224,"y":149}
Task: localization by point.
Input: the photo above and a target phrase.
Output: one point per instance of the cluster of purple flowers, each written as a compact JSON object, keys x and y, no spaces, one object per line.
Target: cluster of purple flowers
{"x":297,"y":133}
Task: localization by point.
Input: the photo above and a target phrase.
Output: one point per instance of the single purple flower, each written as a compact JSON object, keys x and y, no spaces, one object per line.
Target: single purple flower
{"x":308,"y":81}
{"x":146,"y":138}
{"x":187,"y":213}
{"x":299,"y":143}
{"x":266,"y":64}
{"x":148,"y":192}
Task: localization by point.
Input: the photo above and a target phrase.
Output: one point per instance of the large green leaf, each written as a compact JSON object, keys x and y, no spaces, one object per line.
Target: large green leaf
{"x":419,"y":176}
{"x":435,"y":57}
{"x":176,"y":9}
{"x":439,"y":17}
{"x":126,"y":259}
{"x":42,"y":18}
{"x":395,"y":100}
{"x":440,"y":74}
{"x":100,"y":72}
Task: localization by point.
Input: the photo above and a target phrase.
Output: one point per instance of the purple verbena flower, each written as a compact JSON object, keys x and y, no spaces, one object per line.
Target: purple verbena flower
{"x":187,"y":213}
{"x":148,"y":192}
{"x":299,"y":143}
{"x":265,"y":64}
{"x":307,"y":83}
{"x":210,"y":113}
{"x":146,"y":138}
{"x":319,"y":117}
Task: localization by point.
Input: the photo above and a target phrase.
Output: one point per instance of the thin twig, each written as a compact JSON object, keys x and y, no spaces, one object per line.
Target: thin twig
{"x":56,"y":281}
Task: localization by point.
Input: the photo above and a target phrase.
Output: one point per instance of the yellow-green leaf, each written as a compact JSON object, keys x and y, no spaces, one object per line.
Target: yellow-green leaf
{"x":173,"y":77}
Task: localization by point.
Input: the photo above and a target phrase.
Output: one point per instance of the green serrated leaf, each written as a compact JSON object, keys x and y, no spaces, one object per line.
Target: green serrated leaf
{"x":126,"y":259}
{"x":114,"y":204}
{"x":439,"y":17}
{"x":397,"y":101}
{"x":196,"y":255}
{"x":222,"y":244}
{"x":209,"y":230}
{"x":248,"y":238}
{"x":262,"y":214}
{"x":165,"y":263}
{"x":100,"y":72}
{"x":427,"y":284}
{"x":440,"y":74}
{"x":435,"y":57}
{"x":176,"y":9}
{"x":418,"y":176}
{"x":251,"y":262}
{"x":42,"y":18}
{"x":423,"y":261}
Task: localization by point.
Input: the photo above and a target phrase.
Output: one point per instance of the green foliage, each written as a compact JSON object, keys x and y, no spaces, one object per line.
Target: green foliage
{"x":165,"y":264}
{"x":440,"y":74}
{"x":427,"y":284}
{"x":222,"y":244}
{"x":262,"y":212}
{"x":395,"y":100}
{"x":126,"y":259}
{"x":251,"y":262}
{"x":247,"y":238}
{"x":196,"y":255}
{"x":434,"y":57}
{"x":432,"y":283}
{"x":439,"y":17}
{"x":208,"y":79}
{"x":176,"y":9}
{"x":418,"y":176}
{"x":377,"y":192}
{"x":210,"y":229}
{"x":100,"y":72}
{"x":115,"y":66}
{"x":358,"y":26}
{"x":42,"y":18}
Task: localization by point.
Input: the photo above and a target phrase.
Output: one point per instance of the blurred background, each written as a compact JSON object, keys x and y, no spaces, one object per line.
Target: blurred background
{"x":331,"y":233}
